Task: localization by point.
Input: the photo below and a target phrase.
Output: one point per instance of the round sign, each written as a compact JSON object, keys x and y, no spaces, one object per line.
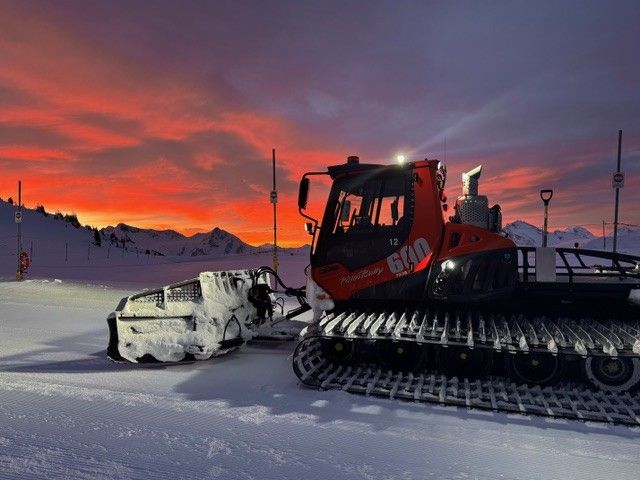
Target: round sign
{"x":18,"y":217}
{"x":617,"y":180}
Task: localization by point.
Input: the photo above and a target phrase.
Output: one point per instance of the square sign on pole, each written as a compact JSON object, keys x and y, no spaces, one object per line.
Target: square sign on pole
{"x":617,"y":180}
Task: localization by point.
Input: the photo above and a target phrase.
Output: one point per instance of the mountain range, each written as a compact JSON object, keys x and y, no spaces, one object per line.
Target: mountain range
{"x":169,"y":242}
{"x":62,"y":231}
{"x":526,"y":235}
{"x":61,"y":236}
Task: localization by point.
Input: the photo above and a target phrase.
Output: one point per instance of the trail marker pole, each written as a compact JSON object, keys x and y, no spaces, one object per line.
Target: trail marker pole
{"x":18,"y":217}
{"x":618,"y":183}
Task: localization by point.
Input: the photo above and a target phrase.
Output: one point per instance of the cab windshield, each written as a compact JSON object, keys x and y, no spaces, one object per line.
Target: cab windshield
{"x":365,"y":211}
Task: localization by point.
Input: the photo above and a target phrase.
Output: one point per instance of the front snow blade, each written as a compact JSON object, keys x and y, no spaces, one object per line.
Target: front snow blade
{"x":192,"y":320}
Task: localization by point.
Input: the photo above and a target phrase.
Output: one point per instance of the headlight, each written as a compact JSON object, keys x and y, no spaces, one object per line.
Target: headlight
{"x":448,"y":265}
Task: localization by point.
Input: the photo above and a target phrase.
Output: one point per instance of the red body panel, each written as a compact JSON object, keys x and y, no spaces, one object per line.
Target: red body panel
{"x":472,"y":240}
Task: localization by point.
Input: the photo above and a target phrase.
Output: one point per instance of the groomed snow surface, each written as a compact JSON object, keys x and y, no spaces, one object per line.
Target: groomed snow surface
{"x":68,"y":412}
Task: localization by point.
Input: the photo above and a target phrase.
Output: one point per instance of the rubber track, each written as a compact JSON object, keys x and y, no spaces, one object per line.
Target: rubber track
{"x":562,"y":401}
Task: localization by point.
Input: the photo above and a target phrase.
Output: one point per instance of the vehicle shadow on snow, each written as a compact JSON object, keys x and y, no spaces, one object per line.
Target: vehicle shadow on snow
{"x":262,"y":376}
{"x":36,"y":360}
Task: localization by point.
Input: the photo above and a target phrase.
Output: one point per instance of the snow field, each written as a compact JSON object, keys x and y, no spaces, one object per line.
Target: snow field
{"x":68,"y":412}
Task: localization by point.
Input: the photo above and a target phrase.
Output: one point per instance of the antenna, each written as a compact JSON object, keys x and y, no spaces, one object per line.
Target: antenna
{"x":445,"y":149}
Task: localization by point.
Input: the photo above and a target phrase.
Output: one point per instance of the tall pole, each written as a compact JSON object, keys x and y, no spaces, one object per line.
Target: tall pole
{"x":615,"y":217}
{"x":546,"y":216}
{"x":274,"y":201}
{"x":19,"y":225}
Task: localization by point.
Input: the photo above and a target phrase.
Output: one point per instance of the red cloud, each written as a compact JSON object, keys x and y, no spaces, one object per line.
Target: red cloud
{"x":91,"y":104}
{"x":116,"y":138}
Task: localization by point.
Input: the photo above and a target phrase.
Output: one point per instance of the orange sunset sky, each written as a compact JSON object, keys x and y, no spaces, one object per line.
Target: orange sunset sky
{"x":163,"y":114}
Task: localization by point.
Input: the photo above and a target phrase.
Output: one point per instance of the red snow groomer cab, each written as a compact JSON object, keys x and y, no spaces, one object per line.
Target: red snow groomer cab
{"x":386,"y":228}
{"x":426,"y":301}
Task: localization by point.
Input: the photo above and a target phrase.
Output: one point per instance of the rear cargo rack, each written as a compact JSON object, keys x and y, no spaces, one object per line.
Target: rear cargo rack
{"x":574,"y":265}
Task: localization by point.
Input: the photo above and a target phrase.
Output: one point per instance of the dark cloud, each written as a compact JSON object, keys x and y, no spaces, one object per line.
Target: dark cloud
{"x":220,"y":162}
{"x":110,"y":123}
{"x":43,"y":136}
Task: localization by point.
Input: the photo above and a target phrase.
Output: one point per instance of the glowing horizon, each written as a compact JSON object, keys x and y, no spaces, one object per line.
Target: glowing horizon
{"x":165,"y":122}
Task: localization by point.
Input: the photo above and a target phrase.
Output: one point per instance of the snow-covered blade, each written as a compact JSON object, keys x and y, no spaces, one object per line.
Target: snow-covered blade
{"x":195,"y":319}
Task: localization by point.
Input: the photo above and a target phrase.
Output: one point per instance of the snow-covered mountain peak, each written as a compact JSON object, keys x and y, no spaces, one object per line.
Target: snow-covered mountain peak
{"x":525,"y":234}
{"x":578,"y":232}
{"x":129,"y":229}
{"x":170,"y":242}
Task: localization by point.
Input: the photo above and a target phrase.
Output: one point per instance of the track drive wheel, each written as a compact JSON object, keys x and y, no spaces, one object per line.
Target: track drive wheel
{"x":613,"y":374}
{"x":338,"y":350}
{"x":398,"y":355}
{"x":466,"y":362}
{"x":535,"y":368}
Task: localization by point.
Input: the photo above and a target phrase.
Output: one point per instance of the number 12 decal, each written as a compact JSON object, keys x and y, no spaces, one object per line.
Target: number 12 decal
{"x":408,"y":256}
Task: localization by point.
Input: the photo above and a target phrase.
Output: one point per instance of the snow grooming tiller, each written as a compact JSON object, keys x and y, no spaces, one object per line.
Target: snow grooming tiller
{"x":198,"y":319}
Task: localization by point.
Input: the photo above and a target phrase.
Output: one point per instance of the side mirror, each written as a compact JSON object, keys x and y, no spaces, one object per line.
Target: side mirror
{"x":345,"y":213}
{"x":303,"y":193}
{"x":309,"y":228}
{"x":394,"y":211}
